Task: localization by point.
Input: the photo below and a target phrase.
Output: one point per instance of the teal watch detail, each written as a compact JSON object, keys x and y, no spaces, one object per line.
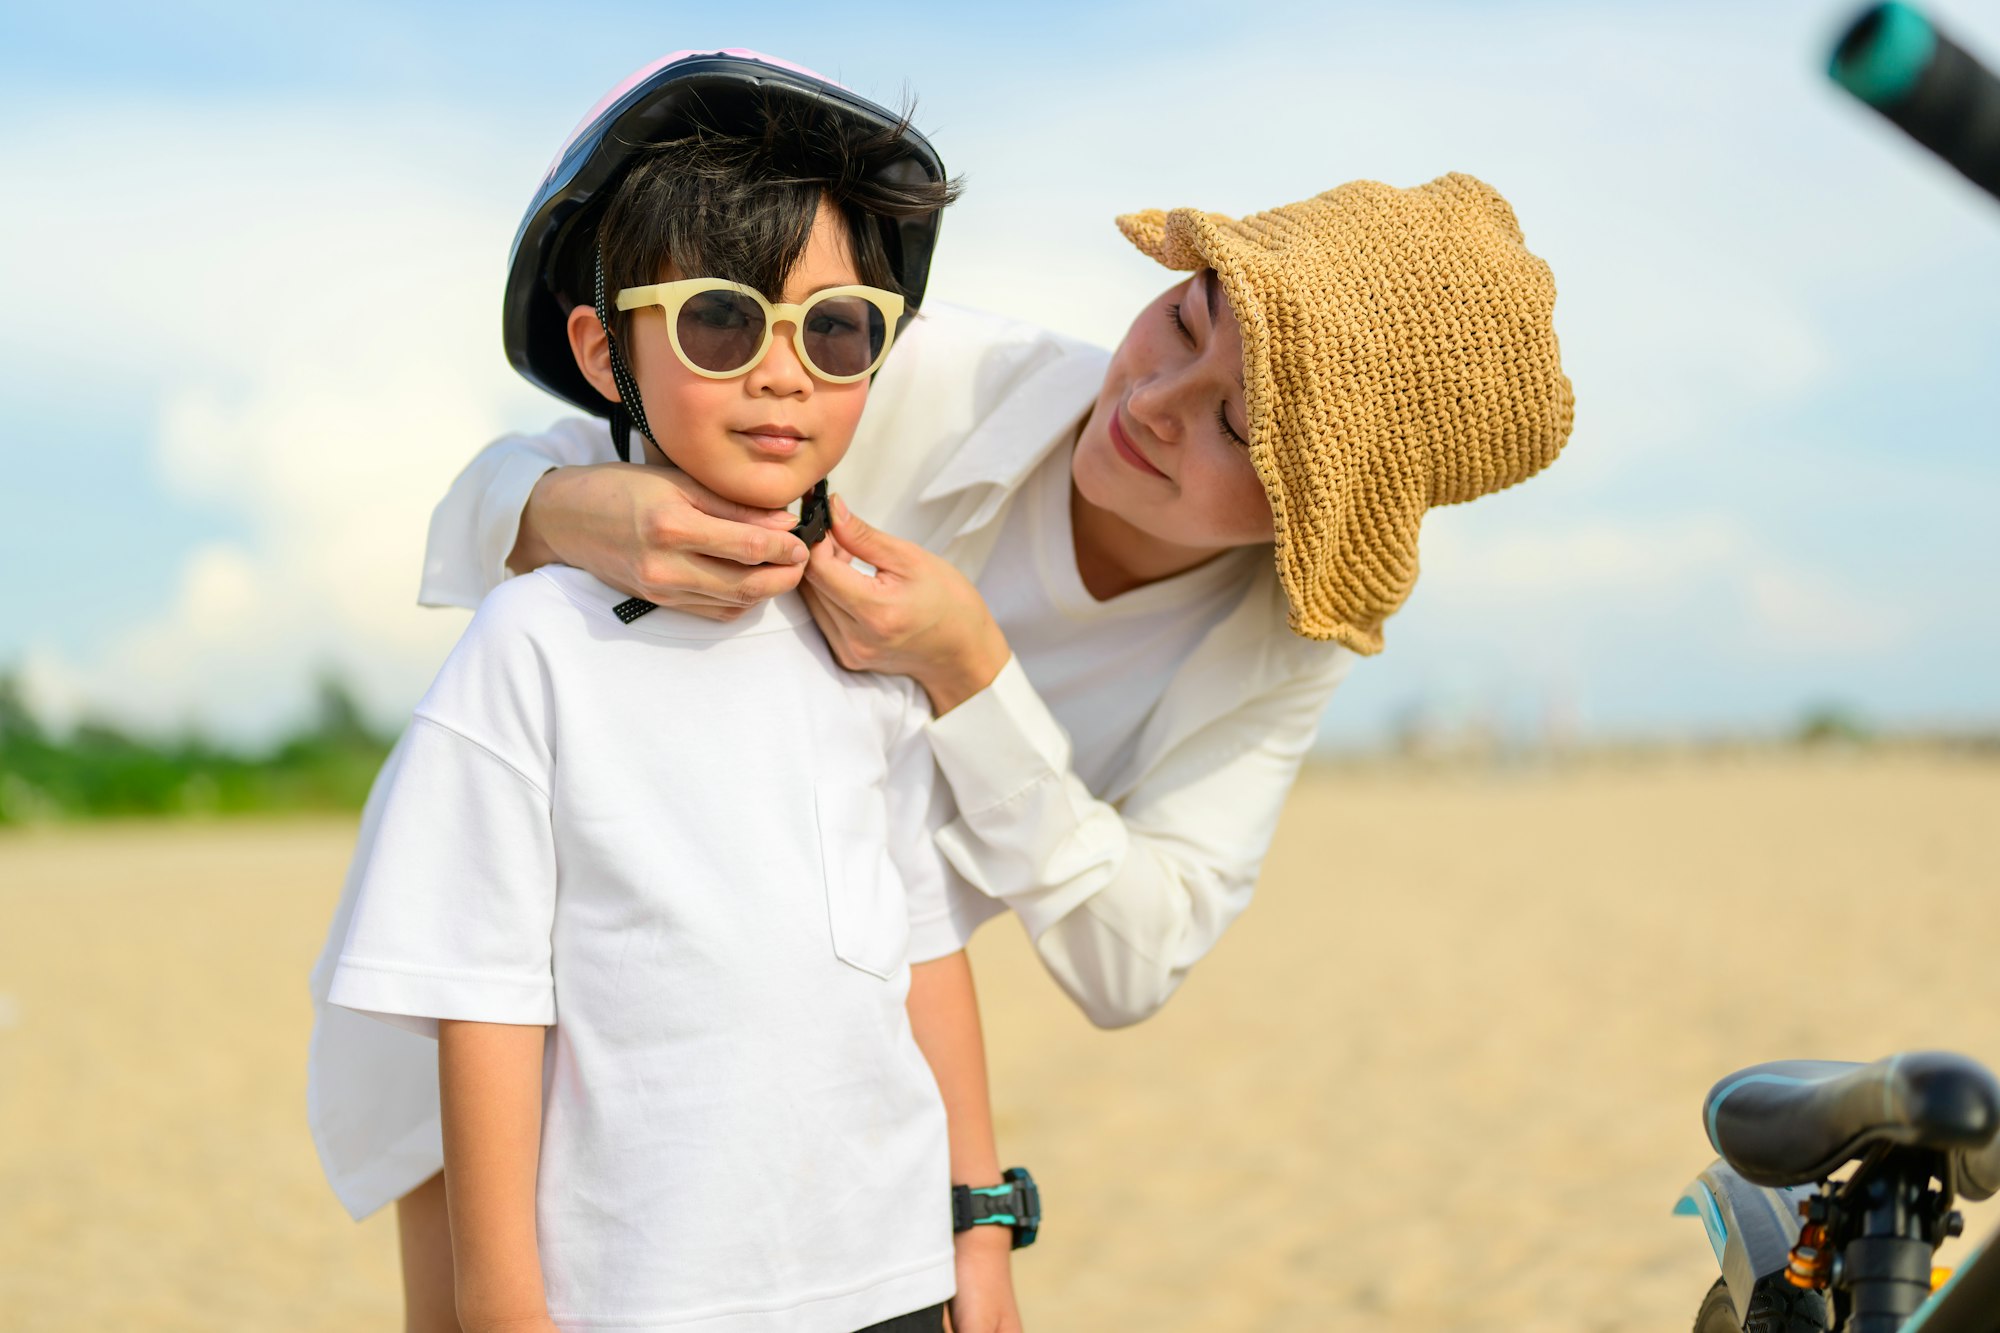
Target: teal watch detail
{"x":1016,"y":1203}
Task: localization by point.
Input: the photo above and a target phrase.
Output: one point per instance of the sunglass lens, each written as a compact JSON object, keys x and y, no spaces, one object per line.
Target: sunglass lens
{"x":844,"y":334}
{"x":720,"y":330}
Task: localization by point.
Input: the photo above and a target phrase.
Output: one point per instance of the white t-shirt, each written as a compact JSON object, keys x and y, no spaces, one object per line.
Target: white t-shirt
{"x":687,"y":847}
{"x":1099,"y":666}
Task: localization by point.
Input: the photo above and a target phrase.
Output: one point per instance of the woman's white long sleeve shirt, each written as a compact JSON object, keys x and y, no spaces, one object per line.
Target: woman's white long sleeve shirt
{"x":1122,"y":889}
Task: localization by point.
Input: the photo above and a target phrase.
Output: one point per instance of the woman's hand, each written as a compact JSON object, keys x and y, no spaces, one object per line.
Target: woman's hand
{"x":985,"y":1299}
{"x":656,"y":533}
{"x":917,"y":617}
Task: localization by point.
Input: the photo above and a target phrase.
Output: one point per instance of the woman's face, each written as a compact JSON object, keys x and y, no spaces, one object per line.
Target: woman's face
{"x":1165,"y":447}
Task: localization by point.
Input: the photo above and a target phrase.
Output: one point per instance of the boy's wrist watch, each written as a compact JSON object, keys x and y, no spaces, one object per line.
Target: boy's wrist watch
{"x":1016,"y":1203}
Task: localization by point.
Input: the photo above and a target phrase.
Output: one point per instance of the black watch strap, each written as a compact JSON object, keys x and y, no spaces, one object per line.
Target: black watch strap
{"x":1016,"y":1203}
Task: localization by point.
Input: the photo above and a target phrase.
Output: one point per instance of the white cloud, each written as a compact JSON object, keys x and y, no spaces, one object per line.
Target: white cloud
{"x":316,"y":317}
{"x":1594,"y":555}
{"x":1702,"y":577}
{"x":1800,"y":613}
{"x":309,"y":294}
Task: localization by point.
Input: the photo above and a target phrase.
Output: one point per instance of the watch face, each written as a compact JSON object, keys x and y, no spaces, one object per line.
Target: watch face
{"x":1016,"y":1204}
{"x":1026,"y":1202}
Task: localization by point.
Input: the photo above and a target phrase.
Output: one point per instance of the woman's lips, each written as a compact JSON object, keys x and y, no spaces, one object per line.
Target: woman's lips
{"x":1126,"y":449}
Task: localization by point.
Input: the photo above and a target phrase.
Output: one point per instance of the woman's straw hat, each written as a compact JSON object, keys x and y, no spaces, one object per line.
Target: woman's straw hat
{"x":1398,"y":354}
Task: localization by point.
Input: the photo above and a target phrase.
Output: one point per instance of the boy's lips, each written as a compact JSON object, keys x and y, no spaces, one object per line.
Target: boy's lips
{"x":773,"y":441}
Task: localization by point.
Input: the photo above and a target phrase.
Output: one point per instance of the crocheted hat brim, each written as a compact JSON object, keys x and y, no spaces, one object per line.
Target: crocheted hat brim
{"x":1398,"y":353}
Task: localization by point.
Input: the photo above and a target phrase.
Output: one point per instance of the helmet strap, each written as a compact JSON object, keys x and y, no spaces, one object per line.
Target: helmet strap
{"x":628,"y":411}
{"x":815,"y":515}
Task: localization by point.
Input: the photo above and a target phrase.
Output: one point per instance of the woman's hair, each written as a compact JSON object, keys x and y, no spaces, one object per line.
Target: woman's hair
{"x":728,"y":203}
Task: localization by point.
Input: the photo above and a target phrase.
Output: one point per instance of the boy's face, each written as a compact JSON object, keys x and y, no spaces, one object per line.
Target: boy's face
{"x":764,"y":438}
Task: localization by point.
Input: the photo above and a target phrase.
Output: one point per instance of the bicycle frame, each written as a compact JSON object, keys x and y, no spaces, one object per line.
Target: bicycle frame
{"x":1969,"y":1302}
{"x":1752,"y":1229}
{"x":1883,"y":1223}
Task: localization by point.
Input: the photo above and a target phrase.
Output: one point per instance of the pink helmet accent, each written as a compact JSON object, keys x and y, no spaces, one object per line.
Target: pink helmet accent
{"x":644,"y":72}
{"x":553,"y":245}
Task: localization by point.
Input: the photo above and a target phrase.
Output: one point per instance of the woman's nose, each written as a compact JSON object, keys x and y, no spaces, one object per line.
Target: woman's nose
{"x":1154,"y":405}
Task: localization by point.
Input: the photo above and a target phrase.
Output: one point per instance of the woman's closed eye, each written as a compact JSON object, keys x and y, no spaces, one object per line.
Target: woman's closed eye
{"x":1222,"y":408}
{"x":1222,"y":419}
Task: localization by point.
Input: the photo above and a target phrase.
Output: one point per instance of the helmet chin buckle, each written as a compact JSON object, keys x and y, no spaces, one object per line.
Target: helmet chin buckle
{"x":815,"y":516}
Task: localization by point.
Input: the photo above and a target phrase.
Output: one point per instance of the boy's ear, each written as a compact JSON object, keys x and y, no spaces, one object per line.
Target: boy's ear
{"x":592,"y":350}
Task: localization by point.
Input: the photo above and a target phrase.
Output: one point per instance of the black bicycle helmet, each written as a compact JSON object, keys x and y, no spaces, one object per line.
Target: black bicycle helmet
{"x":549,"y":271}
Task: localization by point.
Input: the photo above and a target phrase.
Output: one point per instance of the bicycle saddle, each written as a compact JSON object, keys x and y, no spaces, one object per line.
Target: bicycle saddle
{"x":1791,"y":1122}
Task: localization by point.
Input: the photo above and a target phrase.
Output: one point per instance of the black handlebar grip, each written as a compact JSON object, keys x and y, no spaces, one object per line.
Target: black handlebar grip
{"x":1895,"y":59}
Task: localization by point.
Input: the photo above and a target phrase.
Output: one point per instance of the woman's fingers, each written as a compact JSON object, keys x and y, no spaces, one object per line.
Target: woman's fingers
{"x":863,"y":542}
{"x":830,"y":571}
{"x":698,"y":604}
{"x":817,"y":605}
{"x":693,"y":532}
{"x":840,"y":629}
{"x":689,"y":553}
{"x":656,"y":533}
{"x":837,"y":625}
{"x":708,"y":608}
{"x":704,"y":578}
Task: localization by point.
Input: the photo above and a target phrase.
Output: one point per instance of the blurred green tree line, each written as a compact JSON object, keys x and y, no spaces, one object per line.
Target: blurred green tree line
{"x":98,"y":770}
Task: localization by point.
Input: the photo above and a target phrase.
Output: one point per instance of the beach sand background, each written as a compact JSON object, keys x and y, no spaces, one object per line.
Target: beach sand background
{"x":1444,"y":1075}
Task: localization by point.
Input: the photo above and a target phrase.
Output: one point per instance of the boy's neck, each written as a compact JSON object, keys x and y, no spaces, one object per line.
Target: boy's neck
{"x":654,"y":458}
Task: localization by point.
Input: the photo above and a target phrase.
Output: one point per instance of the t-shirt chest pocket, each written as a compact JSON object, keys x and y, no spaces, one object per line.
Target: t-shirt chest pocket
{"x":866,"y":911}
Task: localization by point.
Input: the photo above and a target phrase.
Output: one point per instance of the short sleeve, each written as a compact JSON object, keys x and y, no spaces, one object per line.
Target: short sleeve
{"x":457,"y":902}
{"x":944,"y":910}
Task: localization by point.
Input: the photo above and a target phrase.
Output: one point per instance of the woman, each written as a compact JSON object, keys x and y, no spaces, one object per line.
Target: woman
{"x":1128,"y":583}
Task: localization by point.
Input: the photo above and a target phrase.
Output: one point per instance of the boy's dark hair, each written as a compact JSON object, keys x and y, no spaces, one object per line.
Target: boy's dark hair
{"x":722,"y":202}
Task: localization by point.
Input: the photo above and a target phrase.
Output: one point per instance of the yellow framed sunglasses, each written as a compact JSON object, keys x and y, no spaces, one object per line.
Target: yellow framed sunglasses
{"x":720,"y":329}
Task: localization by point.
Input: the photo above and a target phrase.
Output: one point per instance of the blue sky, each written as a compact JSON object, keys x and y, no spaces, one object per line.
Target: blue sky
{"x":255,"y":283}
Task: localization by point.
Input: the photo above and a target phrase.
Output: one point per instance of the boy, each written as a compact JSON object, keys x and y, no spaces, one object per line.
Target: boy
{"x":645,"y":875}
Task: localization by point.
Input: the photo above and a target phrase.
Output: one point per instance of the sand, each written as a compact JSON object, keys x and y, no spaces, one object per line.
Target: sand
{"x":1444,"y":1075}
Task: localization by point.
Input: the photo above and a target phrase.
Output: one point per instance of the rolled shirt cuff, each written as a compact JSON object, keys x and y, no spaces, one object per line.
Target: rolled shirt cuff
{"x":1027,"y":832}
{"x":497,"y":517}
{"x":416,"y":1000}
{"x":998,"y":743}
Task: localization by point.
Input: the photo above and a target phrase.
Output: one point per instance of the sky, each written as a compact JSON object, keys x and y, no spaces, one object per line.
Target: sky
{"x":253,"y":258}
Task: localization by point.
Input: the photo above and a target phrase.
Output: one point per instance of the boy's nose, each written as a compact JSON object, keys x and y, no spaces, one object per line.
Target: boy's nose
{"x":781,"y":373}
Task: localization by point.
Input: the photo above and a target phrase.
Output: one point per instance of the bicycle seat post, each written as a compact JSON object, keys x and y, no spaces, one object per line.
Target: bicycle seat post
{"x":1886,"y":1266}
